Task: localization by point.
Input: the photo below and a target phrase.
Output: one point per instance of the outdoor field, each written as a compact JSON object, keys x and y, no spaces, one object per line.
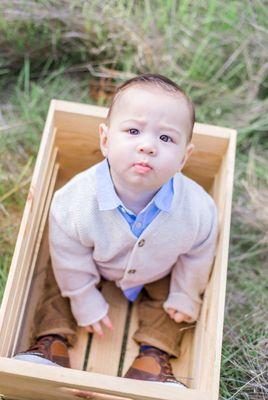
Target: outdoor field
{"x":217,"y":51}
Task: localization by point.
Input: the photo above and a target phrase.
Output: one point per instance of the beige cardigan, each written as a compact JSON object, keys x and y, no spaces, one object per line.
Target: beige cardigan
{"x":86,"y":243}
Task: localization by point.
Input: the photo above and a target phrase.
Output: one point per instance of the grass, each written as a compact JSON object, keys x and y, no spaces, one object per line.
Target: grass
{"x":79,"y":50}
{"x":244,"y":357}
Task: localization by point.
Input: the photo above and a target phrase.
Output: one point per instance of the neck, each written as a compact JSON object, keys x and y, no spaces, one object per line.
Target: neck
{"x":134,"y":200}
{"x":135,"y":204}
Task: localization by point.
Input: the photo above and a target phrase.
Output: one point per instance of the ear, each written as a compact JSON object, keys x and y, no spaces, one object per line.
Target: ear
{"x":103,"y":132}
{"x":188,"y":152}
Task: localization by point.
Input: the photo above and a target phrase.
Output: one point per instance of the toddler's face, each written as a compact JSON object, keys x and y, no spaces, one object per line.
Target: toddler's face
{"x":146,"y":142}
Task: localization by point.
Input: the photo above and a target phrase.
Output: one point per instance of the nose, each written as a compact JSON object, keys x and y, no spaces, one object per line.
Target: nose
{"x":147,"y":148}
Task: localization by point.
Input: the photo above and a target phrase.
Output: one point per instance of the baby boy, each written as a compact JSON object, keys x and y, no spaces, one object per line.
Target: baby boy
{"x":134,"y":219}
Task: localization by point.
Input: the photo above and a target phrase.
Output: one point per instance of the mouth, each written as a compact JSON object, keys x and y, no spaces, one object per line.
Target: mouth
{"x":142,"y":167}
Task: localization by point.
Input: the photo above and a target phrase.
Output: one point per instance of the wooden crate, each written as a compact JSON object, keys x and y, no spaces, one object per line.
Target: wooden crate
{"x":69,"y":145}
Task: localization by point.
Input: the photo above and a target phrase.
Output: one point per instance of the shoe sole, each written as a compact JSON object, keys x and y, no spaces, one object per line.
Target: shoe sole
{"x":178,"y":384}
{"x":35,"y":359}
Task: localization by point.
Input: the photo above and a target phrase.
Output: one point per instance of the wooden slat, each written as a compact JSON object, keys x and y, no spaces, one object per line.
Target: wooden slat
{"x":78,"y":117}
{"x":213,"y":131}
{"x":33,"y":247}
{"x":78,"y":352}
{"x":182,"y":366}
{"x":21,"y":263}
{"x":40,"y":235}
{"x":105,"y":351}
{"x":29,"y":381}
{"x":215,"y":320}
{"x":204,"y":163}
{"x":34,"y":294}
{"x":203,"y":181}
{"x":132,"y":348}
{"x":208,"y":341}
{"x":72,"y":143}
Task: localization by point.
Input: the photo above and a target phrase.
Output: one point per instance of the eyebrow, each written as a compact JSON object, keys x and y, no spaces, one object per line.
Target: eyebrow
{"x":139,"y":121}
{"x":170,"y":128}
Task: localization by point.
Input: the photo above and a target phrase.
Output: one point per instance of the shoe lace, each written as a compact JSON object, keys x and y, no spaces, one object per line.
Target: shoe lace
{"x":41,"y":344}
{"x":166,"y":366}
{"x":163,"y":359}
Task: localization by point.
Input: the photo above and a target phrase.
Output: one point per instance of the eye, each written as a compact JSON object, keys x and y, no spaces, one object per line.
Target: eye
{"x":133,"y":131}
{"x":166,"y":138}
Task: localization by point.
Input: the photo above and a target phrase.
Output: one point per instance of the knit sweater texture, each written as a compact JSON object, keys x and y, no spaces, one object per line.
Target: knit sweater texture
{"x":87,"y":243}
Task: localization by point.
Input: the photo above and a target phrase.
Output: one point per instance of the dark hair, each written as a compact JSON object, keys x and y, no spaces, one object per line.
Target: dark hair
{"x":156,"y":80}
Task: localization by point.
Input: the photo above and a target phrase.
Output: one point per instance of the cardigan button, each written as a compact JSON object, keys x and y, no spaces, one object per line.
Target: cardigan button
{"x":141,"y":243}
{"x":131,"y":271}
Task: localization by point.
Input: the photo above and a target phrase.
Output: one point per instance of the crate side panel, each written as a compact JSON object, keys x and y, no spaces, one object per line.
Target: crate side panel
{"x":214,"y":130}
{"x":34,"y":294}
{"x":220,"y":288}
{"x":39,"y":249}
{"x":208,"y":337}
{"x":79,"y":122}
{"x":78,"y":151}
{"x":182,"y":366}
{"x":40,"y":170}
{"x":205,"y":161}
{"x":19,"y":378}
{"x":24,"y":265}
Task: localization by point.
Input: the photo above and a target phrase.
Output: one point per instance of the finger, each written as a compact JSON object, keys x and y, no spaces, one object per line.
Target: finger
{"x":97,"y":328}
{"x":178,"y":317}
{"x":171,"y":312}
{"x":78,"y":393}
{"x":89,"y":329}
{"x":107,"y":322}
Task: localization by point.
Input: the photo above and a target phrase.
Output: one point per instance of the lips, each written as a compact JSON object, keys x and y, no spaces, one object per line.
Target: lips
{"x":142,"y":167}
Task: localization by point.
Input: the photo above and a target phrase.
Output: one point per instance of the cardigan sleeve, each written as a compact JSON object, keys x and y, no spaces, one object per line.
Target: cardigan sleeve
{"x":191,"y":272}
{"x":76,"y":274}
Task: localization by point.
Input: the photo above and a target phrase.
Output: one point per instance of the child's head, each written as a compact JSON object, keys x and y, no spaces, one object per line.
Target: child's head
{"x":148,"y":131}
{"x":154,"y":81}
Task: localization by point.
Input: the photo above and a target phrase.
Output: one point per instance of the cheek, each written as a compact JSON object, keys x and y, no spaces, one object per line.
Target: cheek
{"x":120,"y":146}
{"x":118,"y":153}
{"x":172,"y":163}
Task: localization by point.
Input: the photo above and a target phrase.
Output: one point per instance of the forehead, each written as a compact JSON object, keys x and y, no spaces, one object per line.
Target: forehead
{"x":147,"y":101}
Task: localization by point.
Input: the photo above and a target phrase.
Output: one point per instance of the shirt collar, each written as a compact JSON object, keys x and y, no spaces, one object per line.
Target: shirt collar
{"x":109,"y":200}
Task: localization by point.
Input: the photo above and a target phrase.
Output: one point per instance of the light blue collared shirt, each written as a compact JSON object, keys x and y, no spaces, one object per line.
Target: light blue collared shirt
{"x":109,"y":200}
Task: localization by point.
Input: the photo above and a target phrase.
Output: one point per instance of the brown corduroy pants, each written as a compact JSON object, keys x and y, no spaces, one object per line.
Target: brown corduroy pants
{"x":156,"y":328}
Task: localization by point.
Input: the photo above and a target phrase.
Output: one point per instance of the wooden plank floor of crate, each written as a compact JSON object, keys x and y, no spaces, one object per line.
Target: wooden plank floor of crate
{"x":113,"y":353}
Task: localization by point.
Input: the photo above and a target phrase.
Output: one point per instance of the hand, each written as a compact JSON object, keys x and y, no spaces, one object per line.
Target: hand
{"x":97,"y":326}
{"x":177,"y":315}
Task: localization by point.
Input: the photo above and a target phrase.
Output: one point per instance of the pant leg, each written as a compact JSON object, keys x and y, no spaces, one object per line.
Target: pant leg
{"x":53,"y":313}
{"x":156,"y":328}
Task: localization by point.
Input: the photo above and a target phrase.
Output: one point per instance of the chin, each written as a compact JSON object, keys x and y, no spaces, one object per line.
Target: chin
{"x":145,"y":187}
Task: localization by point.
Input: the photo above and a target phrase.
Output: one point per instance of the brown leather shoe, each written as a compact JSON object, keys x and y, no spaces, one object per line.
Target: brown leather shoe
{"x":152,"y":364}
{"x":49,"y":350}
